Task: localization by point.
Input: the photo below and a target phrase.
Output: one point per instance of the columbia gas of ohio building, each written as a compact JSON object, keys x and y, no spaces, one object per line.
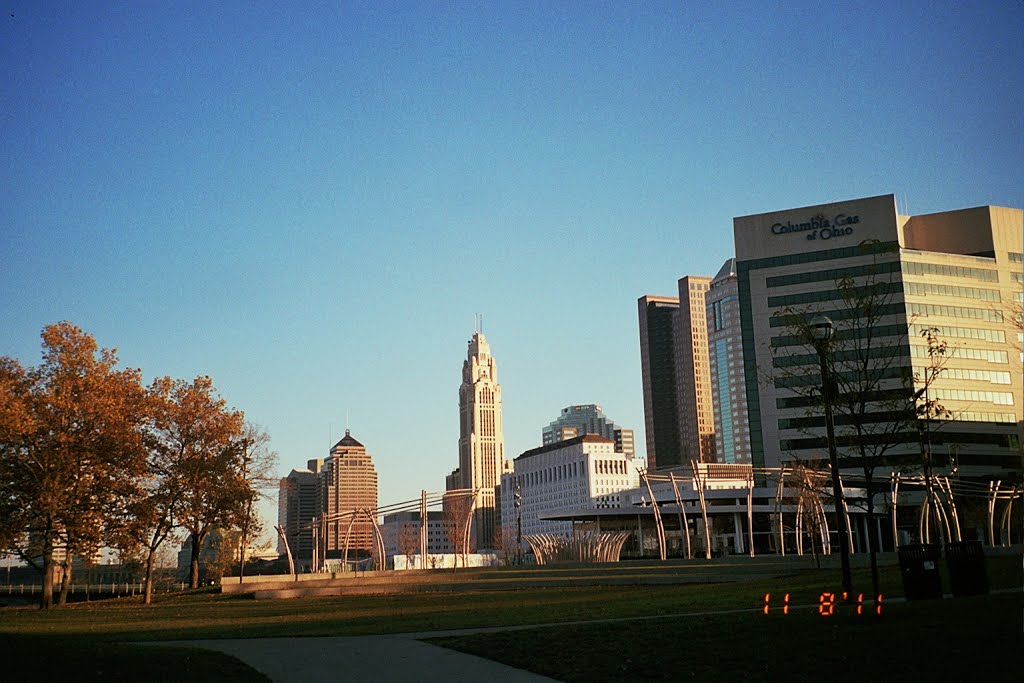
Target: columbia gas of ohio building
{"x":958,"y":272}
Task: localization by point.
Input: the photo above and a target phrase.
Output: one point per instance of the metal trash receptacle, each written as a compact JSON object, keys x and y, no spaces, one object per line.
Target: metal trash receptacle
{"x":919,"y":569}
{"x":966,"y":563}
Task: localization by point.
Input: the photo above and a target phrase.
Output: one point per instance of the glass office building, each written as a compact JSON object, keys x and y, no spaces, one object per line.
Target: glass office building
{"x":588,"y":419}
{"x":725,"y":353}
{"x":957,"y":274}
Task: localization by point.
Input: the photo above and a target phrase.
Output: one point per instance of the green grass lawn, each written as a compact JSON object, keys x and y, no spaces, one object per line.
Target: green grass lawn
{"x":87,"y":641}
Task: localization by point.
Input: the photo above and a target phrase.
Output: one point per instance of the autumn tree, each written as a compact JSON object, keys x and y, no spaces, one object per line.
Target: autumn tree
{"x":71,"y":449}
{"x":202,"y":440}
{"x":152,"y":520}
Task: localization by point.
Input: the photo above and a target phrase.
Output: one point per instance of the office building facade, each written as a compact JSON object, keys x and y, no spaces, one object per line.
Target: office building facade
{"x":588,"y":419}
{"x":297,"y":506}
{"x":678,"y":410}
{"x":725,"y":363}
{"x":401,"y":531}
{"x":955,"y":274}
{"x":657,"y":315}
{"x":577,"y":474}
{"x":348,"y":487}
{"x":693,"y":372}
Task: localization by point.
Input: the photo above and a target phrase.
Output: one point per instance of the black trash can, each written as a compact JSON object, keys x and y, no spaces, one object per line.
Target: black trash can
{"x":919,"y":568}
{"x":966,"y":563}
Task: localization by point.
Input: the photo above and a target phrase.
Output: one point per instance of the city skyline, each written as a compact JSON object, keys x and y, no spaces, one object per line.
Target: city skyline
{"x":295,"y":206}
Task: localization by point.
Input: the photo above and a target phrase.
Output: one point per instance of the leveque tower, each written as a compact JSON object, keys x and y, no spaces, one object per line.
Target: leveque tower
{"x":481,"y":439}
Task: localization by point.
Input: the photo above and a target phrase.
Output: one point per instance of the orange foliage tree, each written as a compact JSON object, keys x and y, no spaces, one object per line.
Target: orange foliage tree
{"x":202,"y":440}
{"x":71,"y":450}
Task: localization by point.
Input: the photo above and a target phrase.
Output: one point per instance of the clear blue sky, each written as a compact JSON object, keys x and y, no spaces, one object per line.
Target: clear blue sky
{"x":310,"y":204}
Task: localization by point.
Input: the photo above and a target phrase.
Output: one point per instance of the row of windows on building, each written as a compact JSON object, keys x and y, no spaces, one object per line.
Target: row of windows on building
{"x":927,"y":288}
{"x":939,"y":310}
{"x":921,"y":351}
{"x":984,"y":274}
{"x":997,"y":336}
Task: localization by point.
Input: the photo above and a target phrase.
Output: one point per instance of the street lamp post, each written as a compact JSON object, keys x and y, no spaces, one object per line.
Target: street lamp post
{"x":519,"y":523}
{"x":822,"y":329}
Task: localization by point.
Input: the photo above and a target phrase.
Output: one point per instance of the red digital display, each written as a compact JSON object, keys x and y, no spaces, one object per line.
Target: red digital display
{"x":827,"y":604}
{"x":784,"y":607}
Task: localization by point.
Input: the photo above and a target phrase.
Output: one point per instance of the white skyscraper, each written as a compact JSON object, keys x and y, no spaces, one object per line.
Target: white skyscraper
{"x":481,"y":439}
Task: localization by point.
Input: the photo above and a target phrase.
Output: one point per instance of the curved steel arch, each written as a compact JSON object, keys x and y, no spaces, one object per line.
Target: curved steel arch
{"x":378,"y":537}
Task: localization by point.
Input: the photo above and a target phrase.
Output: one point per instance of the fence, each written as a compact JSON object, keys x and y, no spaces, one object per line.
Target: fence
{"x":115,"y":589}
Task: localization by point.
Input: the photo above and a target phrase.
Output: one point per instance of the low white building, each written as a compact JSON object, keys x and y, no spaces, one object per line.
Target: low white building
{"x":401,"y":531}
{"x":582,"y":473}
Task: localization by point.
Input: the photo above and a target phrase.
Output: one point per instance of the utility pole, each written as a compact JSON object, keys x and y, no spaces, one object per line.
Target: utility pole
{"x":822,"y":328}
{"x":519,"y":523}
{"x":424,"y":528}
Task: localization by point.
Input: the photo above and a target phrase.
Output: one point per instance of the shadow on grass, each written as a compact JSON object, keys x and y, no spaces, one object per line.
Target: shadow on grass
{"x":936,"y":640}
{"x":44,"y":658}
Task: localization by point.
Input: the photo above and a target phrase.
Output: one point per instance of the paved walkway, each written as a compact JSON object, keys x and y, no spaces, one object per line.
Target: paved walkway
{"x":394,"y":658}
{"x":401,"y":657}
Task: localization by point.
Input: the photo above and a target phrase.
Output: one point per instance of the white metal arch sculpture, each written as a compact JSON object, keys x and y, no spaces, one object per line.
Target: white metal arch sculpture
{"x":591,"y":546}
{"x":683,"y":522}
{"x":378,"y":537}
{"x":662,"y":551}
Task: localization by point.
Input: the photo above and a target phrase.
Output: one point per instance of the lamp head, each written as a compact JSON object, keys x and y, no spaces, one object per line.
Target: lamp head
{"x":822,"y":328}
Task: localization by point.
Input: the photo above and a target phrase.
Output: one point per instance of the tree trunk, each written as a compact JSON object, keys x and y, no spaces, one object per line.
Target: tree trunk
{"x":46,"y":595}
{"x":147,"y":598}
{"x":872,"y":536}
{"x":65,"y":579}
{"x":193,"y":575}
{"x":241,"y":556}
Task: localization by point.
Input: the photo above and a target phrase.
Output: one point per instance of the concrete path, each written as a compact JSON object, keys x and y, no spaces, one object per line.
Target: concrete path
{"x":394,"y":658}
{"x":382,"y":658}
{"x":402,"y":657}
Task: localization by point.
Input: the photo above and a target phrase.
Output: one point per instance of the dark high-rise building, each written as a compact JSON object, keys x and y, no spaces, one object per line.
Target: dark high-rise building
{"x":297,"y":506}
{"x":678,"y":410}
{"x":657,"y":360}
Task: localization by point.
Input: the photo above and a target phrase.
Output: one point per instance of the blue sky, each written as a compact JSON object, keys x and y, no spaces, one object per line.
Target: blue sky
{"x":310,"y":204}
